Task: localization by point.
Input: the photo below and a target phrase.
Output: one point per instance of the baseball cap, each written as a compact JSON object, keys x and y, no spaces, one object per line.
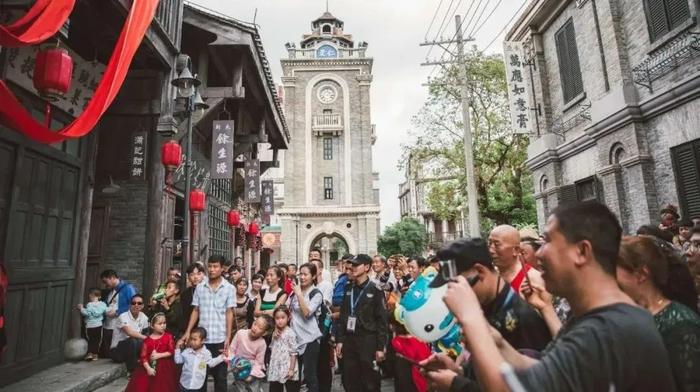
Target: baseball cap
{"x":361,"y":258}
{"x":465,"y":252}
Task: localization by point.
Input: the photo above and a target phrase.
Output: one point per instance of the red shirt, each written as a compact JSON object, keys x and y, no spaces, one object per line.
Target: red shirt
{"x":287,"y":286}
{"x":412,"y":348}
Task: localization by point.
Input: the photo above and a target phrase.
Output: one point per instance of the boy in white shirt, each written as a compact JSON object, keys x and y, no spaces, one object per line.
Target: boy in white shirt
{"x":194,"y":361}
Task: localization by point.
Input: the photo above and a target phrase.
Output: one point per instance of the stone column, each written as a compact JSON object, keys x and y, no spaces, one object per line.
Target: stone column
{"x":639,"y":175}
{"x":614,"y":193}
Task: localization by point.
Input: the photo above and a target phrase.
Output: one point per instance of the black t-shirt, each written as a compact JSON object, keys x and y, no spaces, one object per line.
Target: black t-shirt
{"x":612,"y":348}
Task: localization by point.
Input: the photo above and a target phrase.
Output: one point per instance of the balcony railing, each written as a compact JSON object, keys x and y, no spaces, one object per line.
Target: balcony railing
{"x":681,"y":50}
{"x":437,"y":240}
{"x":168,"y":16}
{"x":327,"y":123}
{"x":343,"y":53}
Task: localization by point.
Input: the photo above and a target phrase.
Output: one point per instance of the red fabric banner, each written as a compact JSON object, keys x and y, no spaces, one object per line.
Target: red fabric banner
{"x":15,"y":116}
{"x":41,"y":22}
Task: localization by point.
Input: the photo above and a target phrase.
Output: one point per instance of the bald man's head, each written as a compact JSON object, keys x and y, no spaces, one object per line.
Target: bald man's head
{"x":504,"y":246}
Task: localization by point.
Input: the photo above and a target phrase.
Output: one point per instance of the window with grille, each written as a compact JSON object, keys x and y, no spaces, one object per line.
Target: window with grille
{"x":328,"y":188}
{"x":664,"y":16}
{"x":569,"y":67}
{"x":587,"y":189}
{"x":327,"y":148}
{"x":219,"y":232}
{"x":686,"y":167}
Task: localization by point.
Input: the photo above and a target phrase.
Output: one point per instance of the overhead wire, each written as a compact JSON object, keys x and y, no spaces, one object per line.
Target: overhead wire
{"x":505,"y":26}
{"x":446,"y":49}
{"x":433,"y":20}
{"x":442,"y":26}
{"x":473,"y":32}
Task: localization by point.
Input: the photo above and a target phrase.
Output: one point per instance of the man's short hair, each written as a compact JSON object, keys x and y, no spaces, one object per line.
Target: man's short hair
{"x":291,"y":265}
{"x":283,"y":266}
{"x":137,"y":295}
{"x":592,"y":221}
{"x":195,"y":266}
{"x":109,"y":273}
{"x":234,"y":267}
{"x":381,"y":258}
{"x":171,"y":269}
{"x":220,"y":259}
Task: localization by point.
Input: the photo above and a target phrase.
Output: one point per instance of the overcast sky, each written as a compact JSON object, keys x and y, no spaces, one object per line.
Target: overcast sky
{"x":393,"y":29}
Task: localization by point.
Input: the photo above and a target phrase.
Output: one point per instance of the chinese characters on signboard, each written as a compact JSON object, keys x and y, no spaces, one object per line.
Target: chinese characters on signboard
{"x":252,"y":181}
{"x":138,"y":155}
{"x":268,"y":200}
{"x":222,"y":150}
{"x":518,"y":96}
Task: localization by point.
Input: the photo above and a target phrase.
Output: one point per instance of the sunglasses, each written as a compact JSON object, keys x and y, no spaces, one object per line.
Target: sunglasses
{"x":137,"y":303}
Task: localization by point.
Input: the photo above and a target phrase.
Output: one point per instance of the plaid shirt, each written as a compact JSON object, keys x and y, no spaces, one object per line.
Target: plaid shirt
{"x":212,"y":307}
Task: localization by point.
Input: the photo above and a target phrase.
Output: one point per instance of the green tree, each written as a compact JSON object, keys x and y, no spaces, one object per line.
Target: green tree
{"x":504,"y":186}
{"x":407,"y":237}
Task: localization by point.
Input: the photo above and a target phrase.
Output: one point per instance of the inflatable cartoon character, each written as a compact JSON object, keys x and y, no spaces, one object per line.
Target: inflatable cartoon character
{"x":426,"y":317}
{"x":240,"y":367}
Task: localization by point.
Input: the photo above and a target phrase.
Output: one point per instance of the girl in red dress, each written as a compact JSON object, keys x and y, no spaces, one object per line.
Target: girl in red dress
{"x":157,"y":372}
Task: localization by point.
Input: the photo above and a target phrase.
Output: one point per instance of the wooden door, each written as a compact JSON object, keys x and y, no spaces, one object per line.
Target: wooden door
{"x":98,"y":226}
{"x":168,"y":231}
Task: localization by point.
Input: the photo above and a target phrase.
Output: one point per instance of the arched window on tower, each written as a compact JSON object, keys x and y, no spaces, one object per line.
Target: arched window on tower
{"x":326,"y":29}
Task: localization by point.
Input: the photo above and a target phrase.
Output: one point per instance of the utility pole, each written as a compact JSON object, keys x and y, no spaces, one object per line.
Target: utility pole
{"x":473,"y":209}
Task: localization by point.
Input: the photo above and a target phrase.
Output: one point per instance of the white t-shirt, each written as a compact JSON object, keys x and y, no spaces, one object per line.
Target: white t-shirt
{"x":326,"y":276}
{"x":326,"y":288}
{"x":138,"y":324}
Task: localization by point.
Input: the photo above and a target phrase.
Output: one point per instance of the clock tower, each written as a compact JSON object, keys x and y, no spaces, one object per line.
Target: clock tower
{"x":331,"y":199}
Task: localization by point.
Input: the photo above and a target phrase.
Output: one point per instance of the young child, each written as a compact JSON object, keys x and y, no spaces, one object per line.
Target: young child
{"x":407,"y":346}
{"x":194,"y":361}
{"x":283,"y":372}
{"x":249,"y":344}
{"x":93,"y":312}
{"x":157,"y":372}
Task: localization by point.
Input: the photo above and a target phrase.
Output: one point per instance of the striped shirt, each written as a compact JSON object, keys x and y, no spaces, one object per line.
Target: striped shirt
{"x":212,"y":305}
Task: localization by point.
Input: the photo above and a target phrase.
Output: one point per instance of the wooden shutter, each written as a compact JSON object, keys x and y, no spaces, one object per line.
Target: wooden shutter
{"x":569,"y":67}
{"x":677,"y":11}
{"x":567,"y":195}
{"x":686,"y":159}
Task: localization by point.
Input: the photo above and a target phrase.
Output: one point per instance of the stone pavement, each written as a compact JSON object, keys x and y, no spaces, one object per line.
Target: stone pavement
{"x":71,"y":377}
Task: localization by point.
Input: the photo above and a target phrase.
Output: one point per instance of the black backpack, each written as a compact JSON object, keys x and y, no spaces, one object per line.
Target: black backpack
{"x":323,"y":315}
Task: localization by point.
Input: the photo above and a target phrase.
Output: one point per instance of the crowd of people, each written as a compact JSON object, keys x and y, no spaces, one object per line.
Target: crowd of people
{"x":578,"y":308}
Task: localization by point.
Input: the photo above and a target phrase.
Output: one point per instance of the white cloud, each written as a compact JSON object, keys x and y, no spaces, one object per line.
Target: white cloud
{"x":393,"y":29}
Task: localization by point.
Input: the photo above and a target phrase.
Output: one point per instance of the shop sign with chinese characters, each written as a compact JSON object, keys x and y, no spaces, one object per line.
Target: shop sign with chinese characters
{"x":518,"y":96}
{"x":138,"y":154}
{"x":268,"y":200}
{"x":252,"y":181}
{"x":222,"y":150}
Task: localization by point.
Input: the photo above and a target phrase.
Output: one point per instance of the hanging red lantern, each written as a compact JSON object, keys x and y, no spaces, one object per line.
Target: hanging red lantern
{"x":233,"y":218}
{"x":171,"y":155}
{"x":198,"y":200}
{"x":253,"y":228}
{"x":53,"y":71}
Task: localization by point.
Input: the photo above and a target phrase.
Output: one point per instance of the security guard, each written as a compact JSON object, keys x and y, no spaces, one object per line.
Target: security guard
{"x":362,"y":329}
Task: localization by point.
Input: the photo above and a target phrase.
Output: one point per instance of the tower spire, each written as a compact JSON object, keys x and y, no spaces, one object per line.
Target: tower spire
{"x":326,"y":5}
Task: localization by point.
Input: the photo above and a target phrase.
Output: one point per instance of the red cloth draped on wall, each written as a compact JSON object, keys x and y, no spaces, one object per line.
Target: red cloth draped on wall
{"x":15,"y":116}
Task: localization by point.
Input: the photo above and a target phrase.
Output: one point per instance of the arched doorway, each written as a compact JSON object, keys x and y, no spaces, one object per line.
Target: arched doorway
{"x":332,"y":248}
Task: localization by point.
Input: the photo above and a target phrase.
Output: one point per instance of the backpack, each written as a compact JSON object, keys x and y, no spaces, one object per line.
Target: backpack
{"x":323,"y":315}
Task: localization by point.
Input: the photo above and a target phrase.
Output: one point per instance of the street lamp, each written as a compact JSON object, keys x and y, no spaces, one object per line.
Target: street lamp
{"x":194,"y":106}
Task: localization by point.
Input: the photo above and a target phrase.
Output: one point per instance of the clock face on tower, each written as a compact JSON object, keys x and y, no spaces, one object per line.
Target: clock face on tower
{"x":326,"y":52}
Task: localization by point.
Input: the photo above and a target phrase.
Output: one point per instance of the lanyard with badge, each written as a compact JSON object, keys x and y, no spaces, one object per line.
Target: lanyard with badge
{"x":352,"y":320}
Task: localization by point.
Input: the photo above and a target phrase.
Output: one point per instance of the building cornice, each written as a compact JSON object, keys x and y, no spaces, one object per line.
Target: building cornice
{"x":325,"y":63}
{"x":329,"y":211}
{"x":536,"y":18}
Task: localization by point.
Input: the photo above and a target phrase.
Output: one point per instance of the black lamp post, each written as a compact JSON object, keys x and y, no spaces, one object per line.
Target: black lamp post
{"x":194,"y":107}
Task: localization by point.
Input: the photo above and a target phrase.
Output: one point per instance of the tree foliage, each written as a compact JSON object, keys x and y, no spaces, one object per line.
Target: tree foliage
{"x":504,"y":186}
{"x":407,"y":237}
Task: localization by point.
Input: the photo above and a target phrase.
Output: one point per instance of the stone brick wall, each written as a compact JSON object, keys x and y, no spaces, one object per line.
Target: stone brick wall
{"x":125,"y":236}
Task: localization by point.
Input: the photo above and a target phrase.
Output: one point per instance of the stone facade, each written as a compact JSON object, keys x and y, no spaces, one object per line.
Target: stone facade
{"x":329,"y":185}
{"x":616,"y":140}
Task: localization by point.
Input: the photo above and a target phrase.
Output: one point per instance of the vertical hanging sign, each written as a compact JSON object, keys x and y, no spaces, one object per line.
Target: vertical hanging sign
{"x":222,"y":149}
{"x":518,"y":97}
{"x":268,"y":200}
{"x":252,"y":181}
{"x":138,"y":155}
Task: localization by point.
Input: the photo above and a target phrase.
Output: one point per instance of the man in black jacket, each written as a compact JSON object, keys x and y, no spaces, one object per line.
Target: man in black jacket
{"x":362,"y":329}
{"x":517,"y":322}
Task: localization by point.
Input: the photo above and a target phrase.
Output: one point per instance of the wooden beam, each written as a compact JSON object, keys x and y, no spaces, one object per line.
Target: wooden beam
{"x":222,"y":92}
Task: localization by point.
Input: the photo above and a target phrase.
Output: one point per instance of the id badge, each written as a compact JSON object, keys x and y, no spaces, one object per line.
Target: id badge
{"x":351,"y":323}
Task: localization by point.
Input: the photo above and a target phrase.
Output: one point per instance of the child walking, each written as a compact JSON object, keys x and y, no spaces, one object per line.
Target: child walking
{"x":94,"y":312}
{"x":249,"y":344}
{"x":194,"y":361}
{"x":157,"y":372}
{"x":283,"y":373}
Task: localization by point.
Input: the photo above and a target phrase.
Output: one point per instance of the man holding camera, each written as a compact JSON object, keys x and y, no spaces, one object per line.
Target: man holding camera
{"x":514,"y":319}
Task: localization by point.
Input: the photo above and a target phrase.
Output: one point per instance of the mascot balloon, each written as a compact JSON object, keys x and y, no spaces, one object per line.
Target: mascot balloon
{"x":240,"y":367}
{"x":426,"y":317}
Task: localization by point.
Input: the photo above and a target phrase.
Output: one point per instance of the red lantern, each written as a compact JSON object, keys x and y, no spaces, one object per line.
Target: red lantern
{"x":171,"y":155}
{"x":233,"y":218}
{"x":53,"y":71}
{"x":253,"y":229}
{"x":198,"y":200}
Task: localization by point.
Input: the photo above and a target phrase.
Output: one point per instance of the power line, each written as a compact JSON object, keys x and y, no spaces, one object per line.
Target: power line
{"x":478,"y":19}
{"x":504,"y":27}
{"x":473,"y":15}
{"x":442,"y":25}
{"x":473,"y":32}
{"x":433,"y":20}
{"x":446,"y":49}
